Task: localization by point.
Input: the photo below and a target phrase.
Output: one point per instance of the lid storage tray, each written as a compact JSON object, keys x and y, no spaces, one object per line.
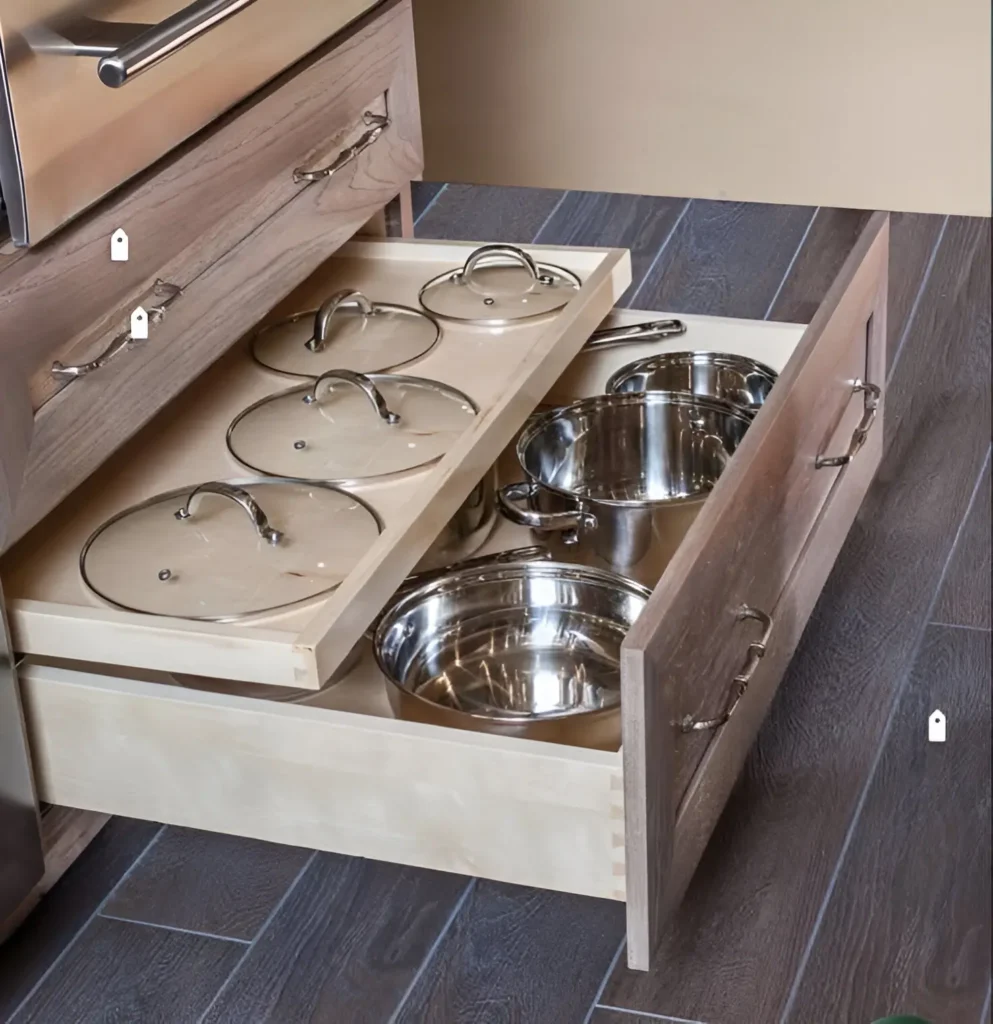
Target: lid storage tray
{"x":505,"y":373}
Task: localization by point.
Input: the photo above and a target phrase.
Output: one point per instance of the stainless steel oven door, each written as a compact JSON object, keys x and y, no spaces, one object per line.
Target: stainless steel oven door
{"x":94,"y":91}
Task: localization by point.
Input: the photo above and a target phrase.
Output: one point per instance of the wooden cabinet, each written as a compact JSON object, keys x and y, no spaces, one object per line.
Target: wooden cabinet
{"x":149,"y":717}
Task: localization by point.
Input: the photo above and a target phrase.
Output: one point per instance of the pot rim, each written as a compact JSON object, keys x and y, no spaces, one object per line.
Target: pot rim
{"x":731,"y":359}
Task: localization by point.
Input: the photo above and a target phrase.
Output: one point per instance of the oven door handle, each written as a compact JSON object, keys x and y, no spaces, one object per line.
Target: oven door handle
{"x":126,"y":50}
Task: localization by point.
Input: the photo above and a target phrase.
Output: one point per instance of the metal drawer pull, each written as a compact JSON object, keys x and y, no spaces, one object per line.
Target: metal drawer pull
{"x":361,"y":381}
{"x":378,"y":122}
{"x":861,"y":432}
{"x":241,"y":497}
{"x":127,"y":49}
{"x":511,"y":252}
{"x":756,"y":651}
{"x":123,"y":341}
{"x":654,"y":330}
{"x":322,"y":319}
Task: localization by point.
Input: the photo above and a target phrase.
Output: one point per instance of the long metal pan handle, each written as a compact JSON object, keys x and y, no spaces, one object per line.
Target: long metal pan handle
{"x":633,"y":334}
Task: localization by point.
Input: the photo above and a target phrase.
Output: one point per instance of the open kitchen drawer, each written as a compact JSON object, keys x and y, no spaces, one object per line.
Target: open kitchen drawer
{"x":338,"y":772}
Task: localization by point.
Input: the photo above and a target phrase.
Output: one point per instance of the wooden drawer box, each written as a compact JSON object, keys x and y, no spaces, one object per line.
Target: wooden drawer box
{"x":338,"y":772}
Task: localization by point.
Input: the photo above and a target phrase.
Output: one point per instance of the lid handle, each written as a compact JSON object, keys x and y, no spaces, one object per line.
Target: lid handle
{"x":364,"y":384}
{"x":243,"y":498}
{"x":510,"y":252}
{"x":322,"y":318}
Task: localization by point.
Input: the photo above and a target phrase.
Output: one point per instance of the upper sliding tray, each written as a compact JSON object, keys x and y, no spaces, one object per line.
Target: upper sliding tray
{"x":504,"y":371}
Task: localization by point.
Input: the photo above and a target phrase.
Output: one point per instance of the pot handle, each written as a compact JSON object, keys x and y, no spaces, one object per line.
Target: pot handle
{"x":364,"y":384}
{"x":566,"y":523}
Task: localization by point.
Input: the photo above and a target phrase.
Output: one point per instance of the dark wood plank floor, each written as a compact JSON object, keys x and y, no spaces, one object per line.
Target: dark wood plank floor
{"x":849,"y":877}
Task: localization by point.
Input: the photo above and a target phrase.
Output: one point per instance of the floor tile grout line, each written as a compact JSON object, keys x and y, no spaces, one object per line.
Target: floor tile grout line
{"x":605,"y":979}
{"x":280,"y":903}
{"x":792,"y":263}
{"x":877,"y":758}
{"x":986,"y":1005}
{"x":82,"y":928}
{"x":959,"y":625}
{"x":432,"y":950}
{"x":548,"y":219}
{"x":650,"y":1016}
{"x":633,"y":301}
{"x":175,"y":928}
{"x":431,"y":203}
{"x":915,"y":305}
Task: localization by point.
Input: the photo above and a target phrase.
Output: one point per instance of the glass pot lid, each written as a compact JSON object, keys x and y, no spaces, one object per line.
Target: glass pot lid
{"x":348,"y":426}
{"x":348,"y":331}
{"x":499,"y":285}
{"x":221,"y":551}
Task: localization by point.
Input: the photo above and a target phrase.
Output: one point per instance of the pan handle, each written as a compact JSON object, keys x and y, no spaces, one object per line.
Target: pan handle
{"x":635,"y":334}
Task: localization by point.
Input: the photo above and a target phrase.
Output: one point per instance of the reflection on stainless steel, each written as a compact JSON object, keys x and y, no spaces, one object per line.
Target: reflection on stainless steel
{"x":635,"y":334}
{"x":66,"y":140}
{"x":530,"y":649}
{"x":617,"y":480}
{"x":21,"y":863}
{"x":739,"y":380}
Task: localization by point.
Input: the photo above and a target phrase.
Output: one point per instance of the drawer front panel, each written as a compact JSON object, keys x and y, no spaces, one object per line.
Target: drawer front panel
{"x":213,"y":310}
{"x":711,"y":620}
{"x":68,"y":300}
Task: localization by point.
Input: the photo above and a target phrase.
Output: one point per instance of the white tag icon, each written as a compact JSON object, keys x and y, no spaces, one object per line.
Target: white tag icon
{"x":139,"y":325}
{"x":119,"y":246}
{"x":936,"y":727}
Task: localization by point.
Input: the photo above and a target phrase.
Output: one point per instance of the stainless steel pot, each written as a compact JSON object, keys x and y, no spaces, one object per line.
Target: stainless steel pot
{"x":466,"y":532}
{"x":743,"y":382}
{"x":530,"y":649}
{"x":616,"y":481}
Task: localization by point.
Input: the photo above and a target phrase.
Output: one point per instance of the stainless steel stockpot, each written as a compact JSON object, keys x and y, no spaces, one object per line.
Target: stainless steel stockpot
{"x":529,"y":649}
{"x":616,"y":481}
{"x":742,"y":381}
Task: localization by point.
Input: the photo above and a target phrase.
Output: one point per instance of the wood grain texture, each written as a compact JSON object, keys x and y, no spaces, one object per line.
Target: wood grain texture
{"x":345,"y":946}
{"x":16,"y":425}
{"x":639,"y":223}
{"x":965,"y":595}
{"x":207,"y":882}
{"x":907,"y":927}
{"x":515,"y":954}
{"x":116,"y":971}
{"x":725,"y":259}
{"x":476,"y":213}
{"x":740,"y":551}
{"x":52,"y":925}
{"x":733,"y":947}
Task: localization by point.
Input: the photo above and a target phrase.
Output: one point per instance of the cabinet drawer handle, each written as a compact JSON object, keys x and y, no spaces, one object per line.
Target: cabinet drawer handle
{"x":123,"y":341}
{"x":378,"y":124}
{"x":861,"y":433}
{"x":364,"y":384}
{"x":756,"y":651}
{"x":242,"y":498}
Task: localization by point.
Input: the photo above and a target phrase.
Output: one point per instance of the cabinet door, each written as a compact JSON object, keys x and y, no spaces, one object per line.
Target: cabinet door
{"x":704,"y":659}
{"x":860,"y":103}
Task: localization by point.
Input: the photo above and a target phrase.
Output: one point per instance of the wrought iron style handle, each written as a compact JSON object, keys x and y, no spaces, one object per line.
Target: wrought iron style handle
{"x":510,"y":252}
{"x":125,"y":49}
{"x":378,"y":124}
{"x":755,"y":653}
{"x":653,"y":330}
{"x":566,"y":523}
{"x":361,"y":381}
{"x":861,"y":432}
{"x":60,"y":371}
{"x":328,"y":308}
{"x":241,"y":497}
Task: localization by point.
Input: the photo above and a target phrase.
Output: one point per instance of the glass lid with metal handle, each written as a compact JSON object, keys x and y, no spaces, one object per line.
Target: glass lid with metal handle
{"x":347,"y":427}
{"x":220,"y":551}
{"x":499,"y":285}
{"x":348,"y":331}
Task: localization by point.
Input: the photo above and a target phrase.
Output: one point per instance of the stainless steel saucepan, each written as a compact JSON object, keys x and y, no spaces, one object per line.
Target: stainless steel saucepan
{"x":615,"y":481}
{"x":530,"y":649}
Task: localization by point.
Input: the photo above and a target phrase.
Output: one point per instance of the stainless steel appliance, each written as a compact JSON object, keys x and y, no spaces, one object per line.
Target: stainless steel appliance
{"x":21,"y":862}
{"x":94,"y":91}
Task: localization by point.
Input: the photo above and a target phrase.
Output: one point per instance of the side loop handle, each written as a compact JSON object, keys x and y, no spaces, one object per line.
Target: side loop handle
{"x":754,"y":654}
{"x":241,"y":497}
{"x":860,"y":434}
{"x":510,"y":497}
{"x":364,"y":384}
{"x":328,"y":308}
